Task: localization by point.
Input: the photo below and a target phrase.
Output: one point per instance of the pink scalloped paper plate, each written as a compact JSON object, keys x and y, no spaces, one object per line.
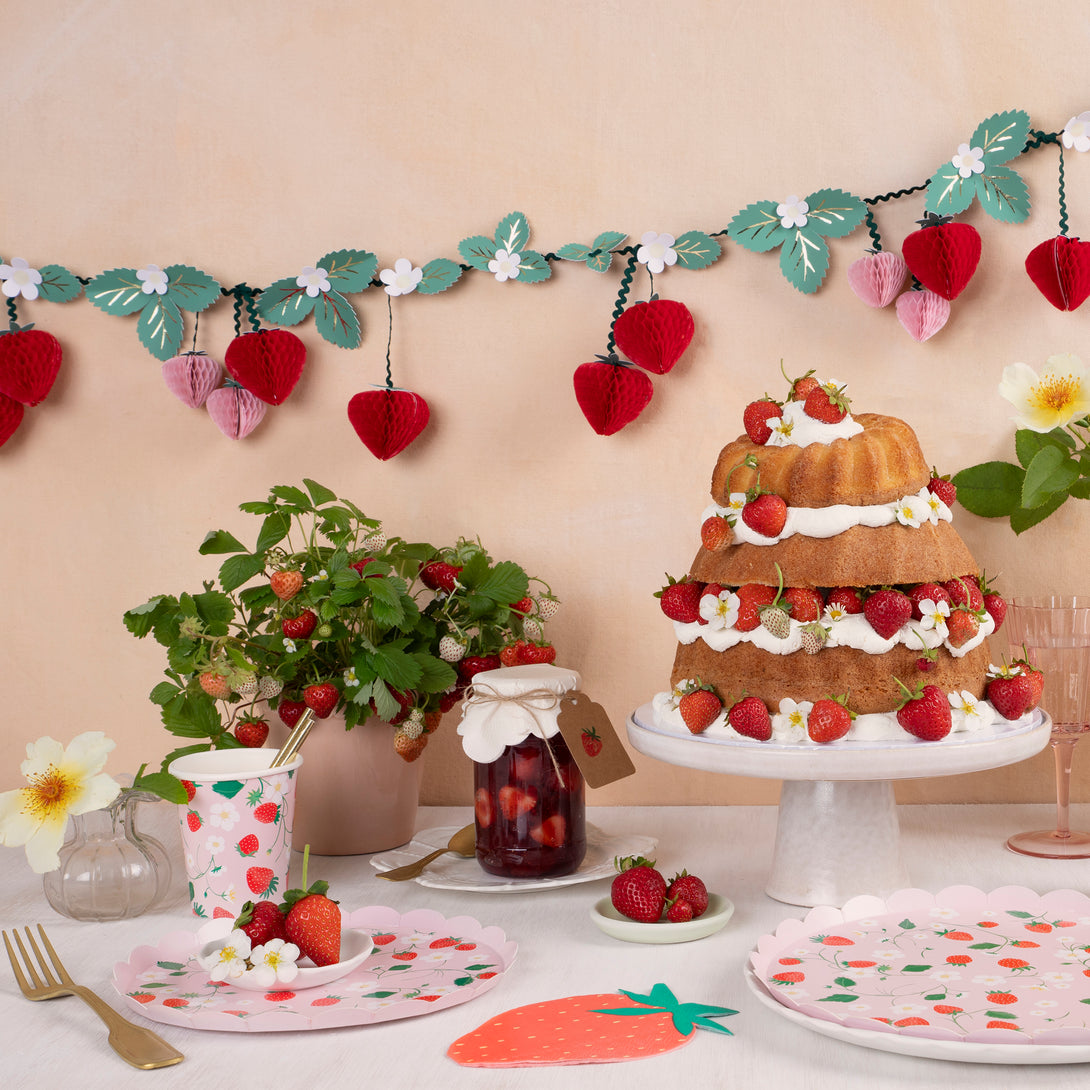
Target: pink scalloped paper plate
{"x":422,"y":963}
{"x":1009,"y":968}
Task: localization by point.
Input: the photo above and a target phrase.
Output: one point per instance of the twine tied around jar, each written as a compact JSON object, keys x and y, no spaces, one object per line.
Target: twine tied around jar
{"x":532,"y":702}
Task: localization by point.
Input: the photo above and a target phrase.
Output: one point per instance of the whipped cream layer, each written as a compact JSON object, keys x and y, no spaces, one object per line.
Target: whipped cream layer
{"x":794,"y":428}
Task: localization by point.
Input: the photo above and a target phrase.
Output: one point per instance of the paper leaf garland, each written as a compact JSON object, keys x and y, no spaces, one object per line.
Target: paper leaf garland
{"x":598,"y":256}
{"x":505,"y":255}
{"x":696,"y":250}
{"x":58,"y":284}
{"x":387,"y":420}
{"x":1060,"y":268}
{"x":29,"y":362}
{"x":268,"y":362}
{"x":975,"y":172}
{"x":439,"y":275}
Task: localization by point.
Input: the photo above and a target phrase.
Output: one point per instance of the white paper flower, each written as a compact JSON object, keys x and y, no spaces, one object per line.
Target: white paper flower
{"x":656,"y":251}
{"x":402,"y":278}
{"x":1050,"y":400}
{"x":223,"y":815}
{"x":316,"y":281}
{"x":969,"y":161}
{"x":720,"y":611}
{"x":1076,"y":134}
{"x":228,"y":962}
{"x":911,"y":511}
{"x":505,"y":265}
{"x":60,"y":781}
{"x":274,"y":963}
{"x":934,"y":616}
{"x":792,"y":212}
{"x":153,"y":281}
{"x":20,"y":279}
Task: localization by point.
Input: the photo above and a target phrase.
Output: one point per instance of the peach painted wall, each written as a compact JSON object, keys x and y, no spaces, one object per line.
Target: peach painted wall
{"x":250,"y":138}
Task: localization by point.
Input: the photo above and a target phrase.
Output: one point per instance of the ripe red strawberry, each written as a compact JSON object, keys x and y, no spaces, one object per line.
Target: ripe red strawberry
{"x":509,"y":654}
{"x":1036,"y":685}
{"x":592,"y":742}
{"x":801,"y":386}
{"x":751,"y":597}
{"x":829,"y":720}
{"x":439,"y":575}
{"x":611,"y":394}
{"x":536,"y":653}
{"x":942,"y":487}
{"x":715,"y":533}
{"x":266,"y":812}
{"x":286,"y":584}
{"x":290,"y":712}
{"x":313,"y":921}
{"x":965,"y":592}
{"x":251,"y":731}
{"x":928,"y":657}
{"x":261,"y":881}
{"x":924,"y":592}
{"x":680,"y":600}
{"x":551,"y":833}
{"x":925,"y":713}
{"x":848,"y":599}
{"x":248,"y":845}
{"x":887,"y":611}
{"x":29,"y":362}
{"x":806,"y":603}
{"x":299,"y":628}
{"x":514,"y":801}
{"x":699,"y":708}
{"x":1010,"y":693}
{"x":409,"y":748}
{"x":523,"y":605}
{"x":963,"y":626}
{"x":321,"y":699}
{"x":679,"y":911}
{"x":994,"y":603}
{"x":765,"y":514}
{"x":750,"y":718}
{"x":655,"y":334}
{"x":755,"y":419}
{"x":387,"y":420}
{"x":215,"y":685}
{"x":638,"y":891}
{"x":472,"y":665}
{"x":193,"y":820}
{"x":263,"y":922}
{"x":687,"y":887}
{"x":943,"y":255}
{"x":829,"y":404}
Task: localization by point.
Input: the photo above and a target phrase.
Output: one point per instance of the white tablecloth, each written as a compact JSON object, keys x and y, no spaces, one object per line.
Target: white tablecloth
{"x":560,"y":953}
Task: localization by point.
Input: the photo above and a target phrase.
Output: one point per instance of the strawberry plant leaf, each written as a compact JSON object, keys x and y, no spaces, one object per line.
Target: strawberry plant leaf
{"x":397,"y":668}
{"x":991,"y":490}
{"x":436,"y":676}
{"x":513,"y":233}
{"x":58,"y":284}
{"x":837,"y":212}
{"x":504,"y":583}
{"x":296,"y":497}
{"x":163,"y":693}
{"x":160,"y":326}
{"x":117,"y":291}
{"x":220,"y":541}
{"x":285,"y":303}
{"x":804,"y":260}
{"x":336,"y":320}
{"x":1003,"y":195}
{"x":273,"y":530}
{"x":1001,"y":137}
{"x":533,"y":268}
{"x":191,"y":289}
{"x":319,"y":493}
{"x":477,"y":251}
{"x":757,"y":228}
{"x":237,"y":570}
{"x":696,"y":250}
{"x":439,"y":275}
{"x":349,"y":270}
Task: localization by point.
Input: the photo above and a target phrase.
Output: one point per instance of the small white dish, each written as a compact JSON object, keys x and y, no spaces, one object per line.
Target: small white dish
{"x":714,"y":919}
{"x":355,"y":947}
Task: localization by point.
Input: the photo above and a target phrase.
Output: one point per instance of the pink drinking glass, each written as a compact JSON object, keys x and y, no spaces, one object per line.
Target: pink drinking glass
{"x":1055,"y":631}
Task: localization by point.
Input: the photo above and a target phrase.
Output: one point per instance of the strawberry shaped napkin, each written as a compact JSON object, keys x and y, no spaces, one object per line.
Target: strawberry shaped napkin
{"x":583,"y":1029}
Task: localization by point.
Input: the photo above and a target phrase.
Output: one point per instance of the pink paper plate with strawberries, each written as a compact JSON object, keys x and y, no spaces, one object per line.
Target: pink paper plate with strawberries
{"x":1000,"y":977}
{"x":421,"y":962}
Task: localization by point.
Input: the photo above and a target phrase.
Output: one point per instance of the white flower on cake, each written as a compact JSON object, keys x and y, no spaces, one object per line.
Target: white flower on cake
{"x":656,"y":251}
{"x":969,"y":161}
{"x":782,"y":427}
{"x":402,"y":278}
{"x":505,"y":266}
{"x":834,"y":612}
{"x":274,"y":963}
{"x":20,"y":279}
{"x":1049,"y":400}
{"x":938,"y":511}
{"x":969,"y":712}
{"x":737,"y":502}
{"x":153,"y":281}
{"x":314,"y":280}
{"x":912,"y":511}
{"x":720,"y":611}
{"x":933,"y":617}
{"x":789,"y":724}
{"x":792,"y":212}
{"x":228,"y":962}
{"x":1076,"y":134}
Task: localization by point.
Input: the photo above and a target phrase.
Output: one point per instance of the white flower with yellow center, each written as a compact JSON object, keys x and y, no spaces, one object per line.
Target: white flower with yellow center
{"x":656,"y":251}
{"x":680,"y":689}
{"x":315,"y":281}
{"x":20,"y":279}
{"x":274,"y":963}
{"x":792,"y":716}
{"x":935,"y":615}
{"x":969,"y":161}
{"x":60,"y":781}
{"x":782,"y":427}
{"x":215,"y":844}
{"x":223,"y":815}
{"x":720,"y":611}
{"x":228,"y":962}
{"x":350,"y":678}
{"x":1049,"y":400}
{"x":937,"y":510}
{"x":792,"y":212}
{"x":1076,"y":134}
{"x":911,"y":511}
{"x":975,"y":713}
{"x":402,"y":278}
{"x":735,"y":504}
{"x":153,"y":281}
{"x":505,"y":266}
{"x":834,"y":612}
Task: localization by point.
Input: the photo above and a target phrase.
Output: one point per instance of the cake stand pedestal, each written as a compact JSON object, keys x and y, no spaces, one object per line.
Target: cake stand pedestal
{"x":837,"y":834}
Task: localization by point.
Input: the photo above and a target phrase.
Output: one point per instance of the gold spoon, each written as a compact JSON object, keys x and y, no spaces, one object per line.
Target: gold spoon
{"x":464,"y":843}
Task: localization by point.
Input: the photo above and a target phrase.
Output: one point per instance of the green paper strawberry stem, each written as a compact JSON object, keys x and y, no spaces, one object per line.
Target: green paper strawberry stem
{"x":686,"y":1017}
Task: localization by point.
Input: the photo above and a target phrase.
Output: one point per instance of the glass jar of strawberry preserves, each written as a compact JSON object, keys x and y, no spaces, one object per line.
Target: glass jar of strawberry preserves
{"x":529,"y":796}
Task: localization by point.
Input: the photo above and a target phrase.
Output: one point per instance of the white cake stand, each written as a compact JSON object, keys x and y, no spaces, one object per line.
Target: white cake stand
{"x":837,"y":834}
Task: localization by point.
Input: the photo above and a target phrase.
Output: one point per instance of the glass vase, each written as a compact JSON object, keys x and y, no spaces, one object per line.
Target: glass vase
{"x":108,"y":869}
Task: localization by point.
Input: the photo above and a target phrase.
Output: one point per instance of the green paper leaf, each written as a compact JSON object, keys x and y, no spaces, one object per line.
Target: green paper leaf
{"x":533,"y":268}
{"x":991,"y":490}
{"x":227,"y":788}
{"x":1023,"y":520}
{"x":608,"y":240}
{"x":336,"y":320}
{"x":117,"y":291}
{"x":220,"y":541}
{"x":1001,"y":137}
{"x":916,"y":968}
{"x":160,"y":326}
{"x":1050,"y":471}
{"x":513,"y":233}
{"x":190,"y":288}
{"x":58,"y":284}
{"x":984,"y":946}
{"x":574,"y":251}
{"x":696,"y":250}
{"x":285,"y":303}
{"x":757,"y":228}
{"x":349,"y":270}
{"x":439,"y":275}
{"x":948,"y":193}
{"x":804,"y":260}
{"x":477,"y":251}
{"x":837,"y":212}
{"x":1020,"y":914}
{"x":1003,"y":195}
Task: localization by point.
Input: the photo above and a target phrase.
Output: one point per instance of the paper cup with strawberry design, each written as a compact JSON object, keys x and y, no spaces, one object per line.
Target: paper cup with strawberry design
{"x":236,"y":827}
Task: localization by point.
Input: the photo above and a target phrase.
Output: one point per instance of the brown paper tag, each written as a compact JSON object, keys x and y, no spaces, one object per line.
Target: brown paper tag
{"x":593,"y":742}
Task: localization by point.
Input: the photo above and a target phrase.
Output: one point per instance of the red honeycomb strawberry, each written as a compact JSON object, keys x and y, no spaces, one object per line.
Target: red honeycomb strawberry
{"x":29,"y":362}
{"x":655,"y":334}
{"x":388,"y":420}
{"x":1060,"y":268}
{"x":943,"y":255}
{"x":11,"y":416}
{"x":611,"y":394}
{"x":267,"y":362}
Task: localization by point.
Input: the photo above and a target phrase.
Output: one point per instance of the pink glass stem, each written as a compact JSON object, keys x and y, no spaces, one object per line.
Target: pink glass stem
{"x":1063,"y":751}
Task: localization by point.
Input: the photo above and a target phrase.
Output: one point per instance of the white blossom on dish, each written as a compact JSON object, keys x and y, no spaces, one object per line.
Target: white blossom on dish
{"x":656,"y":251}
{"x":911,"y":511}
{"x":314,"y":280}
{"x":969,"y":161}
{"x":792,"y":212}
{"x":908,"y":1006}
{"x":1076,"y":134}
{"x":934,"y":617}
{"x":20,"y":279}
{"x":223,"y":815}
{"x":153,"y":281}
{"x":402,"y":278}
{"x":944,"y":976}
{"x":1052,"y":399}
{"x":974,"y":713}
{"x":274,"y":963}
{"x":720,"y":611}
{"x":228,"y":962}
{"x":1057,"y":979}
{"x":505,"y":266}
{"x":993,"y":980}
{"x":790,"y":721}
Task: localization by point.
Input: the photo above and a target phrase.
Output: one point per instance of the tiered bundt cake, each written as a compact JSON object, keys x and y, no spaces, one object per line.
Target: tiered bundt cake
{"x":831,"y":595}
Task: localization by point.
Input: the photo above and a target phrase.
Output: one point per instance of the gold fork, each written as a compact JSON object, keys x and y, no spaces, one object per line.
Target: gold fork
{"x":135,"y":1044}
